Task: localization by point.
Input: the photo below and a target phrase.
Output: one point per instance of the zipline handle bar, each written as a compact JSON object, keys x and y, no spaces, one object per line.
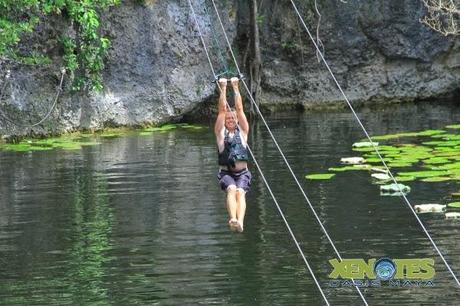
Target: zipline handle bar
{"x":240,"y":76}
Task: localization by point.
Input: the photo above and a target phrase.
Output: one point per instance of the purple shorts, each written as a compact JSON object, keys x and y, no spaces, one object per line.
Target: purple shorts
{"x":241,"y":179}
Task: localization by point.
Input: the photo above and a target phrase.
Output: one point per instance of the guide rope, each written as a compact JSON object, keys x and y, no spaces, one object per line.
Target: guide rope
{"x":262,"y":174}
{"x":373,"y":144}
{"x":279,"y":149}
{"x":216,"y":43}
{"x":58,"y":92}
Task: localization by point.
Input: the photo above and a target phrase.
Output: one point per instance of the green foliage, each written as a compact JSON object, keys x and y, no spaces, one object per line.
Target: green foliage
{"x":16,"y":18}
{"x":288,"y":45}
{"x":83,"y":54}
{"x":260,"y":19}
{"x":320,"y":176}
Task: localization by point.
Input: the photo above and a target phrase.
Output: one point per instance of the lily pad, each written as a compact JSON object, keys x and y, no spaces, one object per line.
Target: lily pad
{"x":381,"y":176}
{"x":365,"y":144}
{"x":345,"y":168}
{"x":440,"y":154}
{"x":454,"y":158}
{"x":447,"y":135}
{"x":452,"y":215}
{"x":380,"y":169}
{"x":352,"y":160}
{"x":399,"y":165}
{"x":405,"y":178}
{"x":429,"y":208}
{"x":454,"y":205}
{"x":67,"y":146}
{"x":436,"y":179}
{"x":392,"y":194}
{"x":453,"y":172}
{"x":362,"y":167}
{"x":451,"y":137}
{"x":436,"y":160}
{"x":431,"y":132}
{"x":447,"y":153}
{"x":376,"y":160}
{"x":395,"y":188}
{"x":423,"y":174}
{"x":388,"y":148}
{"x":453,"y":126}
{"x":450,"y":143}
{"x":408,"y":134}
{"x":445,"y":149}
{"x":66,"y":142}
{"x":450,"y":166}
{"x":393,"y":136}
{"x":320,"y":176}
{"x":364,"y":149}
{"x":406,"y":159}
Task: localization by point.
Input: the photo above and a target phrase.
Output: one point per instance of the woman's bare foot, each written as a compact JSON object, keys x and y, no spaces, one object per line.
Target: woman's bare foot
{"x":239,"y":227}
{"x":233,"y":223}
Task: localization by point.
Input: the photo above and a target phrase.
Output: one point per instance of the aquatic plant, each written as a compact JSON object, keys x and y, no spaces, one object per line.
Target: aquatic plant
{"x":429,"y":156}
{"x":320,"y":176}
{"x":365,"y":144}
{"x":169,"y":127}
{"x":347,"y":168}
{"x":429,"y":208}
{"x":71,"y":142}
{"x":77,"y":141}
{"x":395,"y":188}
{"x":454,"y":205}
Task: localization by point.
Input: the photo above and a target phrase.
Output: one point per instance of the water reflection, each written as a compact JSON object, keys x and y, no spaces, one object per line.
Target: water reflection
{"x":141,"y":220}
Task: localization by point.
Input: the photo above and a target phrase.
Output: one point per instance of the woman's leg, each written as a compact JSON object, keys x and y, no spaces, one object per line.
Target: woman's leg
{"x":240,"y":207}
{"x":231,"y":203}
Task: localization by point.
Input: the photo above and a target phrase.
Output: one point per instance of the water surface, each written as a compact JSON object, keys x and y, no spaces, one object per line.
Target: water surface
{"x":140,"y":220}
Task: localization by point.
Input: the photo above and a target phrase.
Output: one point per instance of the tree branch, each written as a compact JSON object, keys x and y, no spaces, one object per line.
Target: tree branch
{"x":442,"y":16}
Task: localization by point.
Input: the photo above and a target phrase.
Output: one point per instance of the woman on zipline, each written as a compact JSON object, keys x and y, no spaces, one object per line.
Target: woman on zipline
{"x":231,"y":131}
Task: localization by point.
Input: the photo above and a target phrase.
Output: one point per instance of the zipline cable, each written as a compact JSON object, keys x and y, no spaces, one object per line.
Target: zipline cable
{"x":373,"y":145}
{"x":279,"y":149}
{"x":289,"y":228}
{"x":215,"y":40}
{"x":262,"y":174}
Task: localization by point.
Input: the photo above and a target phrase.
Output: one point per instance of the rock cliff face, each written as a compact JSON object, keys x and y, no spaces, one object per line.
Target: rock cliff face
{"x":378,"y":50}
{"x":157,"y":70}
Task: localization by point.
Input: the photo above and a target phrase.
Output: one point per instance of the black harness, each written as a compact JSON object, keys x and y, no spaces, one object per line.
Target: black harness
{"x":233,"y":150}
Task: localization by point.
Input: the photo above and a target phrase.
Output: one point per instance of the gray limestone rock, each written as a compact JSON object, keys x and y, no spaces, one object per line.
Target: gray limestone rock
{"x":157,"y":71}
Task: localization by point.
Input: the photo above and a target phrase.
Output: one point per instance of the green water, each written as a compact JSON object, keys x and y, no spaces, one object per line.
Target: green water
{"x":140,"y":220}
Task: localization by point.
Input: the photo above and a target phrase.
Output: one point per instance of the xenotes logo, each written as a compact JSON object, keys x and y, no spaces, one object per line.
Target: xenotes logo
{"x":414,"y":272}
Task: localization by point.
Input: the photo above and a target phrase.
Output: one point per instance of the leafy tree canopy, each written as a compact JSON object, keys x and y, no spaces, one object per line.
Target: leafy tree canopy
{"x":84,"y":51}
